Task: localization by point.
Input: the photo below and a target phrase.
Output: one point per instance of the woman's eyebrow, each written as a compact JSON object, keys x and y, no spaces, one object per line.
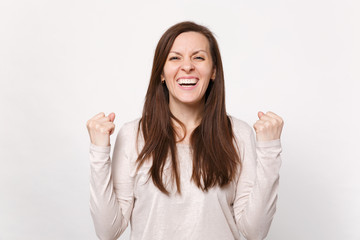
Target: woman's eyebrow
{"x":196,"y":52}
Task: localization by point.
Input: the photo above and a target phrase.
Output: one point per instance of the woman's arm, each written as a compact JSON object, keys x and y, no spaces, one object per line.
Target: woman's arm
{"x":257,"y":187}
{"x":111,"y":188}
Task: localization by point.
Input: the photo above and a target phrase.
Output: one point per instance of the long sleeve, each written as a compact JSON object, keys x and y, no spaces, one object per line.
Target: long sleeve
{"x":111,"y":188}
{"x":257,"y":186}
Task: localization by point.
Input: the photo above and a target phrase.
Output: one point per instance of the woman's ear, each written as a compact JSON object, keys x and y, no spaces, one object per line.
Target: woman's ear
{"x":213,"y":75}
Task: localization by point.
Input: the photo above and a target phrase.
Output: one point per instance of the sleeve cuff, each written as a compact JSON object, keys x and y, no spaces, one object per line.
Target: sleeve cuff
{"x":271,"y":143}
{"x":100,"y":149}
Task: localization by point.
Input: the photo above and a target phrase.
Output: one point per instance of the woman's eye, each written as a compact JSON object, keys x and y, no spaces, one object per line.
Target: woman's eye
{"x":175,"y":58}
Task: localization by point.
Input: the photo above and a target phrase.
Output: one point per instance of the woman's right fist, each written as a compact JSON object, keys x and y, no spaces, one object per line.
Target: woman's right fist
{"x":100,"y":128}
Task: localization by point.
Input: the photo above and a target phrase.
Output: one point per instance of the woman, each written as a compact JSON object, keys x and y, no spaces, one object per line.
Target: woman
{"x":185,"y":169}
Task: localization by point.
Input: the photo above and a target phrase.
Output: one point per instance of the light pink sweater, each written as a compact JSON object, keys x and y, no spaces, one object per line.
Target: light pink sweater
{"x":119,"y":195}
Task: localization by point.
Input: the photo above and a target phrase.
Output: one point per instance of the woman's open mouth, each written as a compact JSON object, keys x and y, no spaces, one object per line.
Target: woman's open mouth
{"x":187,"y":83}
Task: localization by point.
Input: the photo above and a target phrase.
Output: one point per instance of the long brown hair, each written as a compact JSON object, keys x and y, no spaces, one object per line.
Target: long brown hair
{"x":215,"y":158}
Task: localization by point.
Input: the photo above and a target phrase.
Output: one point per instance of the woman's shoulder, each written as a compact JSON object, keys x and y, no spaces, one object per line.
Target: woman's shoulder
{"x":240,"y":128}
{"x":131,"y":125}
{"x":127,"y":135}
{"x":129,"y":128}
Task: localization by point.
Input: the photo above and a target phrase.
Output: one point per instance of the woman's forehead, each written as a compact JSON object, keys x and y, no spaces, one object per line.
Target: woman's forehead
{"x":190,"y":41}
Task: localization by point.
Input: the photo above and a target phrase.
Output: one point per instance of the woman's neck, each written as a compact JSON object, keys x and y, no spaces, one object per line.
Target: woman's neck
{"x":189,"y":115}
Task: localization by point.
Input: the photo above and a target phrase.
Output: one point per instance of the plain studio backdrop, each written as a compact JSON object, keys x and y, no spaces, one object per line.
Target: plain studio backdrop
{"x":62,"y":62}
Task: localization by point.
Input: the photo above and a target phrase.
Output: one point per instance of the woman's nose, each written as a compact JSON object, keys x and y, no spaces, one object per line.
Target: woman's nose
{"x":187,"y":65}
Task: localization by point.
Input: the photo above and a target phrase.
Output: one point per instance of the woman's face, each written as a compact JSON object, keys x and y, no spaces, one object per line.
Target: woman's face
{"x":188,"y":69}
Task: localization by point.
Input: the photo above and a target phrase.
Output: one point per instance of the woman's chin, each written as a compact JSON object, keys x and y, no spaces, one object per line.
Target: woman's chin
{"x":189,"y":101}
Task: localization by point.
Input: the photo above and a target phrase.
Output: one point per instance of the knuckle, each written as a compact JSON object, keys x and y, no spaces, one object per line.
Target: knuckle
{"x":103,"y":130}
{"x":274,"y":122}
{"x":91,"y":124}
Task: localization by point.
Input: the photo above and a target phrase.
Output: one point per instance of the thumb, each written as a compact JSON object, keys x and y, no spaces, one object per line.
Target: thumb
{"x":112,"y":116}
{"x":260,"y":114}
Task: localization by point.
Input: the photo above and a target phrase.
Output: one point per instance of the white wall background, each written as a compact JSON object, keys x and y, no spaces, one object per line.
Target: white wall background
{"x":62,"y":62}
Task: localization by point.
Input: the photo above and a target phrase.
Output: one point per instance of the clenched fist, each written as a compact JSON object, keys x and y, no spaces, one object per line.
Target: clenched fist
{"x":100,"y":128}
{"x":268,"y":127}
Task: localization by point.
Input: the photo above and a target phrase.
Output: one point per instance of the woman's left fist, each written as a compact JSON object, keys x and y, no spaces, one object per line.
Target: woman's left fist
{"x":268,"y":127}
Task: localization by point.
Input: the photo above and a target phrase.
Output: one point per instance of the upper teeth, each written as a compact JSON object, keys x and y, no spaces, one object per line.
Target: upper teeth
{"x":187,"y":81}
